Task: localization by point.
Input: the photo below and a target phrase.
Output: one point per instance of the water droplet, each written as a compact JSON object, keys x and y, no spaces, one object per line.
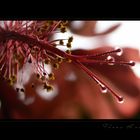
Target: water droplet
{"x":120,"y":51}
{"x":110,"y":60}
{"x":103,"y":89}
{"x":132,"y":63}
{"x":120,"y":100}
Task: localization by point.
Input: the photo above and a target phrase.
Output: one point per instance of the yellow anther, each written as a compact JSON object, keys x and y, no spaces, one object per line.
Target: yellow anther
{"x":13,"y":78}
{"x":56,"y":65}
{"x":61,"y":42}
{"x":43,"y":78}
{"x":63,"y":29}
{"x":68,"y":51}
{"x":59,"y":60}
{"x":47,"y":61}
{"x":68,"y":60}
{"x":48,"y":87}
{"x":70,"y":39}
{"x":10,"y":82}
{"x":51,"y":76}
{"x":68,"y":45}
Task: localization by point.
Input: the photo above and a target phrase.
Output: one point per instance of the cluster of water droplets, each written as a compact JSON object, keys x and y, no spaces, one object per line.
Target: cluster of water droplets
{"x":104,"y":89}
{"x":111,"y":60}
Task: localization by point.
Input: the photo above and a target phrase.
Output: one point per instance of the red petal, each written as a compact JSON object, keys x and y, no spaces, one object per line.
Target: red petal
{"x":89,"y":29}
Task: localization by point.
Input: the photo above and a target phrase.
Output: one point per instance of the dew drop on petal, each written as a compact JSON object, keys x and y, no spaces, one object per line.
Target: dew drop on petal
{"x":132,"y":63}
{"x":110,"y":59}
{"x":120,"y":51}
{"x":103,"y":89}
{"x":120,"y":100}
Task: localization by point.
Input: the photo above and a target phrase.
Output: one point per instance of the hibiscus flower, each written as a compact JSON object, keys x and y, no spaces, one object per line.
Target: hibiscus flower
{"x":77,"y":79}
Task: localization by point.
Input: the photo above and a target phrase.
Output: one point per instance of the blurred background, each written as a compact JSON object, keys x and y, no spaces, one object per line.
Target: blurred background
{"x":75,"y":95}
